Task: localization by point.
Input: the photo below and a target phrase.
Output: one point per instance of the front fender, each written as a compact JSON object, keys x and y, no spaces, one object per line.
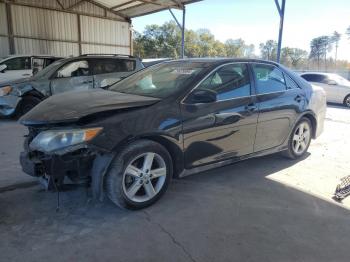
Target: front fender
{"x":99,"y":170}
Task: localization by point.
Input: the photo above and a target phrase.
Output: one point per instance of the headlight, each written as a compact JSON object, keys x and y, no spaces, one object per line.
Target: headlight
{"x":48,"y":141}
{"x":5,"y":90}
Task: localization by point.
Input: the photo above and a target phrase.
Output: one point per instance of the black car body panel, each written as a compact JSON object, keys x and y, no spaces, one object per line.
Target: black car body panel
{"x":74,"y":105}
{"x":197,"y":135}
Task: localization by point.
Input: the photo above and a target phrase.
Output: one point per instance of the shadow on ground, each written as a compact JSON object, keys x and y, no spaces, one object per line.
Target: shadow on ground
{"x":229,"y":214}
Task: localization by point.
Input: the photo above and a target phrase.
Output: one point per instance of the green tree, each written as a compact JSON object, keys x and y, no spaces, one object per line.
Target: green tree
{"x":293,"y":56}
{"x":249,"y":51}
{"x":268,"y":50}
{"x":318,"y":48}
{"x":348,"y":32}
{"x":235,"y":48}
{"x":206,"y":43}
{"x":335,"y":39}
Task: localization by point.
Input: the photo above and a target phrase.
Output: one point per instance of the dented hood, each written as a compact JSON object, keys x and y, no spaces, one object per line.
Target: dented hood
{"x":71,"y":106}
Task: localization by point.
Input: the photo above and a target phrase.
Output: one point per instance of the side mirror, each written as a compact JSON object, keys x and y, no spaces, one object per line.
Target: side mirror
{"x":3,"y":68}
{"x":332,"y":83}
{"x":202,"y":96}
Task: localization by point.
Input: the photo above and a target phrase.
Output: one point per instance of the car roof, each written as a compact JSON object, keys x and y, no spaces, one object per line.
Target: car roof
{"x":218,"y":61}
{"x":25,"y":55}
{"x":317,"y":73}
{"x":100,"y":57}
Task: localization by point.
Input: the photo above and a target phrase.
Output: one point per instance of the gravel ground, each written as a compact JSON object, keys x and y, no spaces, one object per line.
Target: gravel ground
{"x":264,"y":209}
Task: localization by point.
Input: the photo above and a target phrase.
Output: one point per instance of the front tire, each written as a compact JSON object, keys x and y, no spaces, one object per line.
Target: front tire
{"x":139,"y":175}
{"x":299,"y":140}
{"x":347,"y":101}
{"x":27,"y":103}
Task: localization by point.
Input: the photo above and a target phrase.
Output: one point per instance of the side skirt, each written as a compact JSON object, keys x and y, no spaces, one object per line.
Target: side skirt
{"x":187,"y":172}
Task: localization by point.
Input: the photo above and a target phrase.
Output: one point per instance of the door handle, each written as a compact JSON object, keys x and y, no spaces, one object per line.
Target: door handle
{"x":86,"y":82}
{"x":251,"y":107}
{"x":298,"y":98}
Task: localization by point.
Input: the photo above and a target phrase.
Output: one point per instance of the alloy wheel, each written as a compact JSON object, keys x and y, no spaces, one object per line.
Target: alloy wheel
{"x":301,"y":138}
{"x":144,"y":177}
{"x":347,"y":101}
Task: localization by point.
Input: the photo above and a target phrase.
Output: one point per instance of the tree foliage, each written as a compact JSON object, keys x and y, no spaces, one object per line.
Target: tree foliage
{"x":319,"y":47}
{"x":293,"y":57}
{"x":348,"y":32}
{"x":165,"y":41}
{"x":268,"y":50}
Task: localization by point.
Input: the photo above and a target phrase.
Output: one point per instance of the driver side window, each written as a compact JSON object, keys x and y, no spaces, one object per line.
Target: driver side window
{"x":73,"y":69}
{"x":228,"y":82}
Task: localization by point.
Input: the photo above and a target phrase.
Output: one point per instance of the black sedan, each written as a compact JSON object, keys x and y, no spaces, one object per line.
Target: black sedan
{"x":170,"y":120}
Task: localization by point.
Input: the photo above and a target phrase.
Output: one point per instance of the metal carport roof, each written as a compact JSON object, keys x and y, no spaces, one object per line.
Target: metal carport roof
{"x":130,"y":9}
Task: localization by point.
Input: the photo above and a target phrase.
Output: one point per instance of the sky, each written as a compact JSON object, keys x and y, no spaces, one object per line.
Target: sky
{"x":256,"y":21}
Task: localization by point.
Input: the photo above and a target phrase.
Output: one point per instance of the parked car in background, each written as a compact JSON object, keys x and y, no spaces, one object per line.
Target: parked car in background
{"x":21,"y":66}
{"x":336,"y":87}
{"x":170,"y":120}
{"x":77,"y":73}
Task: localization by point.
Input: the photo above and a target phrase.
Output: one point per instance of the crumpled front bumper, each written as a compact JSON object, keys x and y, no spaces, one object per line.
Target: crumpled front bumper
{"x":75,"y":165}
{"x":8,"y":104}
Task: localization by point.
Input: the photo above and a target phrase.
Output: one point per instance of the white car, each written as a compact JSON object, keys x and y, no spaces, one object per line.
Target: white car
{"x":22,"y":66}
{"x":336,"y":87}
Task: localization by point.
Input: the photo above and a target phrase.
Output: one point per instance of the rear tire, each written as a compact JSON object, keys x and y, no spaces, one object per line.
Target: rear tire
{"x":299,"y":140}
{"x":347,"y":101}
{"x":26,"y":104}
{"x":139,"y":175}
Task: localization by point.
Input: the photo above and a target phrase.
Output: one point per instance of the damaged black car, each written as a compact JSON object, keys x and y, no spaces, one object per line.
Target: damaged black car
{"x":170,"y":120}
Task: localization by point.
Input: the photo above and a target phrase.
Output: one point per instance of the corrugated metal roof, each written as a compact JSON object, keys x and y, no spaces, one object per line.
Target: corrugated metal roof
{"x":130,"y":9}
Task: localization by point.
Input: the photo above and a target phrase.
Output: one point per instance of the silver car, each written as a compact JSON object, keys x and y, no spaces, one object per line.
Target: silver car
{"x":78,"y":73}
{"x":336,"y":87}
{"x":19,"y":66}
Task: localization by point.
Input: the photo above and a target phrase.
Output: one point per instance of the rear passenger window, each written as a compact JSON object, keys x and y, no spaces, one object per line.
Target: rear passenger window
{"x":290,"y":83}
{"x":315,"y":78}
{"x":269,"y":79}
{"x":106,"y":66}
{"x":228,"y":82}
{"x":74,"y":69}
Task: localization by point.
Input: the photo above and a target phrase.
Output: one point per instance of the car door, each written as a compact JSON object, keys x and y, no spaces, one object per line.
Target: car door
{"x":17,"y":67}
{"x":107,"y":71}
{"x":225,"y":128}
{"x":334,"y":92}
{"x":74,"y":75}
{"x":280,"y":101}
{"x":322,"y":81}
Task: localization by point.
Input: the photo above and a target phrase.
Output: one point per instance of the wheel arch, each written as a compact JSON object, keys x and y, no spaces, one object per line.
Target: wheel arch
{"x":102,"y":162}
{"x":33,"y":92}
{"x":311,"y":116}
{"x":167,"y":141}
{"x":174,"y":150}
{"x":346,"y":96}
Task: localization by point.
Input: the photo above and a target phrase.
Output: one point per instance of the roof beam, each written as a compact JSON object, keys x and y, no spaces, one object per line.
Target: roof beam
{"x":178,"y":3}
{"x":120,"y":5}
{"x":60,"y":4}
{"x":106,"y":8}
{"x":159,"y":4}
{"x":75,"y":5}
